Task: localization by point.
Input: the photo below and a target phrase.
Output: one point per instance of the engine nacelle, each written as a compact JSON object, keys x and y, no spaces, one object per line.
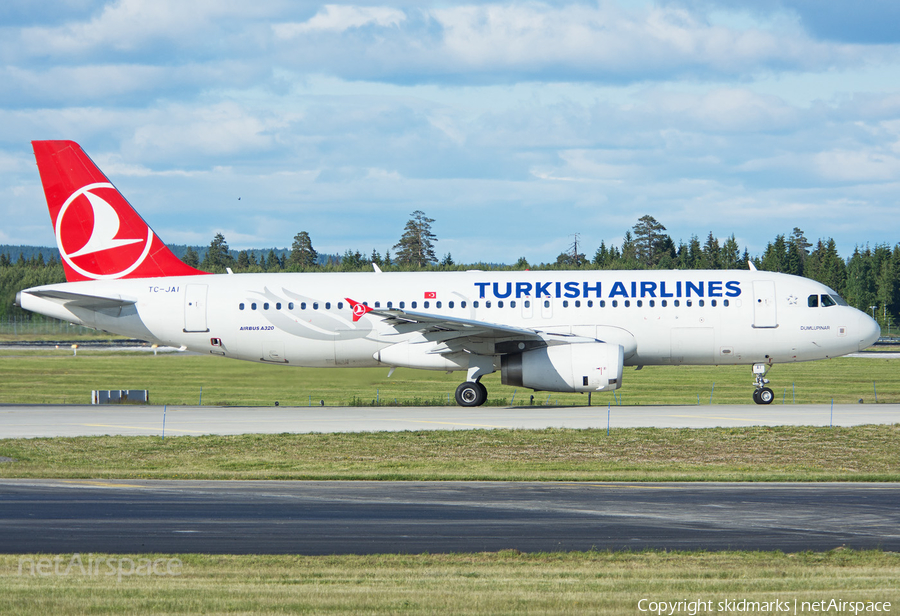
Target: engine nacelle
{"x":586,"y":366}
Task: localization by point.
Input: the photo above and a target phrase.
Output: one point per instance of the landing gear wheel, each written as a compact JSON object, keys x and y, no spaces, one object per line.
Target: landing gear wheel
{"x":483,"y":393}
{"x":765,"y":396}
{"x":471,"y":394}
{"x":756,"y":396}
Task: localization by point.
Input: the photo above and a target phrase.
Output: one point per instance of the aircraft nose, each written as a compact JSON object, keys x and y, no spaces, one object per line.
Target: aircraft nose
{"x":869,"y":331}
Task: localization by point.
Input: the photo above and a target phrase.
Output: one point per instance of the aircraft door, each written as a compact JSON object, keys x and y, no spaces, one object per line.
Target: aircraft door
{"x":764,"y":310}
{"x":195,"y":308}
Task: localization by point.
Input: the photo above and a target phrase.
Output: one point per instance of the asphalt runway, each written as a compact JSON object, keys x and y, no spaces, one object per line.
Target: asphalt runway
{"x":301,"y":517}
{"x":28,"y":421}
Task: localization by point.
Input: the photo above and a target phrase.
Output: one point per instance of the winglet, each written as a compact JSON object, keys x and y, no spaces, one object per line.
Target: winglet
{"x":359,"y":310}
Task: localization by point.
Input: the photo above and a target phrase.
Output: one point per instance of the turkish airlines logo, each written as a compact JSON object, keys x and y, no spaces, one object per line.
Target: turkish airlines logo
{"x":94,"y":250}
{"x":359,"y":310}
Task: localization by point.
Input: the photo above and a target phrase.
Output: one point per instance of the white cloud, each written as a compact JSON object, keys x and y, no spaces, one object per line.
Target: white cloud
{"x":127,"y":25}
{"x":857,"y":166}
{"x":220,"y":129}
{"x":337,"y":18}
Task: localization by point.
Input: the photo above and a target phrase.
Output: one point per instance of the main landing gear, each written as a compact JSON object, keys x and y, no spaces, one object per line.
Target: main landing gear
{"x":471,"y":393}
{"x":762,"y":394}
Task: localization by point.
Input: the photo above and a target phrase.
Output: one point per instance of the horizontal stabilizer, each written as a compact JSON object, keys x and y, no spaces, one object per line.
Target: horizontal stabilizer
{"x":81,"y":300}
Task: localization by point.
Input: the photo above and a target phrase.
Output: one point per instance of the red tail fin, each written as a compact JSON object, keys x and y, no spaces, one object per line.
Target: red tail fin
{"x":98,"y":233}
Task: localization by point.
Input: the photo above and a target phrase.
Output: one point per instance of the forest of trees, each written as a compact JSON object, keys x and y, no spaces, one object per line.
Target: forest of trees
{"x":868,"y":279}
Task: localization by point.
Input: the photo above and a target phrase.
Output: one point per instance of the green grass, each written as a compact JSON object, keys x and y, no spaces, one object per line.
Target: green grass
{"x":861,"y":453}
{"x":59,"y":377}
{"x":485,"y":583}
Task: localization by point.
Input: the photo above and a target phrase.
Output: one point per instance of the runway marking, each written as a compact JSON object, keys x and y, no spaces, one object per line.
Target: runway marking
{"x":712,"y":417}
{"x":615,"y":485}
{"x":157,"y":429}
{"x":103,"y":484}
{"x":447,"y":423}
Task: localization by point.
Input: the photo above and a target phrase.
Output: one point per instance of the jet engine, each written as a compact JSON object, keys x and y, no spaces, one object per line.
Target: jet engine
{"x":586,"y":366}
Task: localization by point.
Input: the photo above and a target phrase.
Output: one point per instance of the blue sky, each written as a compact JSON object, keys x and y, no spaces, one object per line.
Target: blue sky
{"x":513,"y":124}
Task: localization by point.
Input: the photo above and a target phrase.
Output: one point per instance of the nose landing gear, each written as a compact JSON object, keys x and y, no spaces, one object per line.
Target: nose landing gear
{"x":762,"y":394}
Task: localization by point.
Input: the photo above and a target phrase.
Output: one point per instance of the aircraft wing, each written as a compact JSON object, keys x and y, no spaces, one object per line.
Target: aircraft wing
{"x":81,"y":300}
{"x":471,"y":328}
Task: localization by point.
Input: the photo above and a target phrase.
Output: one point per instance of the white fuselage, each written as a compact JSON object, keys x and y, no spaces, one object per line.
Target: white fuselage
{"x":659,"y":317}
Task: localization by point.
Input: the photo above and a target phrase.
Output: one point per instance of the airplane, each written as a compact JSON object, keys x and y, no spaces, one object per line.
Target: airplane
{"x":556,"y":331}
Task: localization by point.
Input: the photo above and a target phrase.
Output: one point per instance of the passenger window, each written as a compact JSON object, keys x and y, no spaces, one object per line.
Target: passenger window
{"x":461,"y":305}
{"x":628,"y":303}
{"x":528,"y":303}
{"x":341,"y":305}
{"x":689,"y":303}
{"x":315,"y":305}
{"x":499,"y":304}
{"x":426,"y":304}
{"x":546,"y":303}
{"x":437,"y":305}
{"x":565,"y":303}
{"x":712,"y":303}
{"x":327,"y":305}
{"x":253,"y":306}
{"x":640,"y":303}
{"x":603,"y":303}
{"x":413,"y":305}
{"x":487,"y":304}
{"x":652,"y":303}
{"x":450,"y":304}
{"x":475,"y":304}
{"x":402,"y":305}
{"x":725,"y":302}
{"x":578,"y":303}
{"x":290,"y":305}
{"x":378,"y":304}
{"x":241,"y":305}
{"x":512,"y":304}
{"x":390,"y":304}
{"x":677,"y":303}
{"x":615,"y":303}
{"x":278,"y":306}
{"x":302,"y":305}
{"x":665,"y":303}
{"x":827,"y":301}
{"x":266,"y":306}
{"x":813,"y":301}
{"x":590,"y":303}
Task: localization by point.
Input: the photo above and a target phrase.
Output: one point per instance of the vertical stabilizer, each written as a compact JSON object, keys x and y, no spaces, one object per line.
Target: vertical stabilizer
{"x":99,"y":235}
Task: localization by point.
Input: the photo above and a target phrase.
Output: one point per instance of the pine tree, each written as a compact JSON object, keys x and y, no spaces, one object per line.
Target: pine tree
{"x":218,"y":255}
{"x":416,"y":246}
{"x":731,"y":255}
{"x":649,"y":240}
{"x":774,"y":259}
{"x":191,"y":258}
{"x":303,"y":255}
{"x":712,"y":253}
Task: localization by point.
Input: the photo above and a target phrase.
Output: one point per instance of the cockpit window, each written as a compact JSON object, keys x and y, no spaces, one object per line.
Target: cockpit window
{"x":813,"y":301}
{"x":839,"y":300}
{"x":827,"y":301}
